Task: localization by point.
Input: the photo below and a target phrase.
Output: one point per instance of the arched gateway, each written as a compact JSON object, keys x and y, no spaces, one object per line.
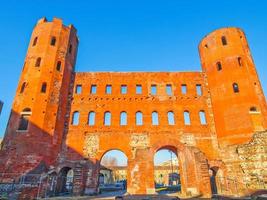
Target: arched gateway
{"x":140,"y":150}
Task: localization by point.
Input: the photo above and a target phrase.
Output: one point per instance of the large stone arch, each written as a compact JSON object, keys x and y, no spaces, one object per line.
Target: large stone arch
{"x":167,"y":143}
{"x":218,"y":174}
{"x":99,"y":145}
{"x":193,"y":166}
{"x":176,"y":147}
{"x":140,"y":149}
{"x":104,"y":153}
{"x":101,"y":153}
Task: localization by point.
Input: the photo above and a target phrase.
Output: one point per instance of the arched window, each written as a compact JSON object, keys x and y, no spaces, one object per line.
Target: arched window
{"x":91,"y":118}
{"x":53,"y":41}
{"x":224,"y":41}
{"x":139,"y":118}
{"x":38,"y":62}
{"x":24,"y":119}
{"x":235,"y":88}
{"x":123,"y":118}
{"x":107,"y":118}
{"x":239,"y":59}
{"x":34,"y":41}
{"x":171,"y":120}
{"x":202,"y":117}
{"x":58,"y":65}
{"x":219,"y":66}
{"x":75,"y":118}
{"x":43,"y":89}
{"x":155,"y":118}
{"x":22,"y":87}
{"x":187,"y":118}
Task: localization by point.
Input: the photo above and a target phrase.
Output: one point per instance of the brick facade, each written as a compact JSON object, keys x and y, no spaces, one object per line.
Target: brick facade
{"x":57,"y":103}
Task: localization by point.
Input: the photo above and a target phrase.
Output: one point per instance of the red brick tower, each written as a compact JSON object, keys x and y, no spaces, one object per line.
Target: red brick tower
{"x":237,"y":98}
{"x":39,"y":112}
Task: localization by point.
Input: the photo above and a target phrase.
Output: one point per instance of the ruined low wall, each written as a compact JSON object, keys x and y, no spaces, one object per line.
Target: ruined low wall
{"x":246,"y":165}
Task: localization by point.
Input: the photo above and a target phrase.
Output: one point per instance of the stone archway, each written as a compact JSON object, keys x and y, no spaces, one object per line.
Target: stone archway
{"x":218,"y":174}
{"x":140,"y":150}
{"x":213,"y":184}
{"x":166,"y":171}
{"x":65,"y":181}
{"x":193,"y":167}
{"x":113,"y":163}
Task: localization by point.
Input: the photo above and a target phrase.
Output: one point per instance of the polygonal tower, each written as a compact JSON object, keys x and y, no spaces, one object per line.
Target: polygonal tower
{"x":39,"y":112}
{"x":238,"y":101}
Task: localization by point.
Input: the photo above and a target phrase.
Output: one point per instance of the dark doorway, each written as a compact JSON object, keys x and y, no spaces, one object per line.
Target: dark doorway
{"x":213,"y":185}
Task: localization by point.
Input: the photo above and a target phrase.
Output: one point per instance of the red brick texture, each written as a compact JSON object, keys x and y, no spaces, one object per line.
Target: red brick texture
{"x":52,"y":138}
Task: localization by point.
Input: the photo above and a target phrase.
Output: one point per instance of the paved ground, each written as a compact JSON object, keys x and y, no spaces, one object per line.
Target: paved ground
{"x":172,"y":196}
{"x":112,"y":195}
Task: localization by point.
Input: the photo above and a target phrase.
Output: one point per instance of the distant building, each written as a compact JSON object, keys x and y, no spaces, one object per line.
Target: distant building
{"x":166,"y":173}
{"x":1,"y":106}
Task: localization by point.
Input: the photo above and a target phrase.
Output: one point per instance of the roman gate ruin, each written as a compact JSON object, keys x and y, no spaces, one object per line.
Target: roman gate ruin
{"x":214,"y":120}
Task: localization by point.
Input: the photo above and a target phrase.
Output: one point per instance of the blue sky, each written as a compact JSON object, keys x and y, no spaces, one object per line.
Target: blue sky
{"x":128,"y":35}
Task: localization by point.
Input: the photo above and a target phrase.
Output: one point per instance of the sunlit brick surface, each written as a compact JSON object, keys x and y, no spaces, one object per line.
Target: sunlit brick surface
{"x":55,"y":102}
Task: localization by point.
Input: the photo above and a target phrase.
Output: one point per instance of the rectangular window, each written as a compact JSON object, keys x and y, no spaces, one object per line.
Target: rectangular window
{"x":184,"y":89}
{"x":169,"y":89}
{"x":93,"y":89}
{"x":108,"y":89}
{"x":138,"y":89}
{"x":78,"y":89}
{"x":199,"y":89}
{"x":153,"y":89}
{"x":123,"y":89}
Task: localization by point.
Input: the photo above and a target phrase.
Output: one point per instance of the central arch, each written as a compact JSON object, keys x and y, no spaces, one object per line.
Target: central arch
{"x":166,"y":170}
{"x":112,"y":175}
{"x":193,"y":166}
{"x":178,"y":149}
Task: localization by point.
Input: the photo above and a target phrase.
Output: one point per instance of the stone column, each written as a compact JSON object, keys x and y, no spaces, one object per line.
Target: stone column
{"x":187,"y":172}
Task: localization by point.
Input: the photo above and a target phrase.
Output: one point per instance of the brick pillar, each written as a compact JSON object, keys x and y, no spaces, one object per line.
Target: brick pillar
{"x":187,"y":172}
{"x":140,"y":174}
{"x":78,"y":177}
{"x":194,"y":172}
{"x":202,"y":172}
{"x":91,"y":177}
